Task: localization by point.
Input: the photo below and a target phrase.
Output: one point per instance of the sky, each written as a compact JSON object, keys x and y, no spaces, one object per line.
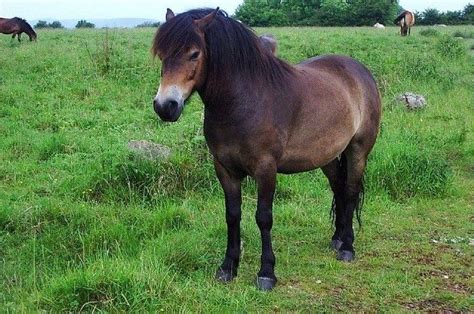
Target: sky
{"x":441,"y":5}
{"x":153,"y":9}
{"x":98,"y":9}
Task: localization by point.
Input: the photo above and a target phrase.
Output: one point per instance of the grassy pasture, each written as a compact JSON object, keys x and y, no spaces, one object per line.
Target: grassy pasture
{"x":86,"y":225}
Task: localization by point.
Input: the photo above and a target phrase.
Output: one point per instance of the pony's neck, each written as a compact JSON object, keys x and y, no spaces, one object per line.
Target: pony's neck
{"x":227,"y":92}
{"x":223,"y":91}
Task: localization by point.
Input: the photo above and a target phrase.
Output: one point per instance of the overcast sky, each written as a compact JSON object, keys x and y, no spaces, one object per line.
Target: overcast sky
{"x":152,"y":9}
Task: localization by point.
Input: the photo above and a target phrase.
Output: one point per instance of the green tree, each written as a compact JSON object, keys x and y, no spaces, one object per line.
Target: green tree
{"x":316,"y":12}
{"x":56,"y":24}
{"x":431,"y":17}
{"x":451,"y":17}
{"x":332,"y":13}
{"x":261,"y":13}
{"x":369,"y":12}
{"x":84,"y":24}
{"x":301,"y":12}
{"x":468,"y":14}
{"x":41,"y":24}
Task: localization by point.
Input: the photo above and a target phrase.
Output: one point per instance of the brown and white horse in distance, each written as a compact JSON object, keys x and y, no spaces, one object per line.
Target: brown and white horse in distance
{"x":406,"y":20}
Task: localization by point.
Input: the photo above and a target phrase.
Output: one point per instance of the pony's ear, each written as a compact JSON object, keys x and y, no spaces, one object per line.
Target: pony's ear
{"x":205,"y":21}
{"x":169,"y":14}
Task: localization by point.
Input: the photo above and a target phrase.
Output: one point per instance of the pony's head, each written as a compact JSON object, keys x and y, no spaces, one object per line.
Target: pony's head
{"x":25,"y":27}
{"x":207,"y":51}
{"x":32,"y":35}
{"x":181,"y":47}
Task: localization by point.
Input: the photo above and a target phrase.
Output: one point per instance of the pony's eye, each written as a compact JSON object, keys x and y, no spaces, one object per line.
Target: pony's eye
{"x":194,"y":56}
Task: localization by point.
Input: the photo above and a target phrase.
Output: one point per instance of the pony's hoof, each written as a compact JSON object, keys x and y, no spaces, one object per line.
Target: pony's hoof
{"x":224,"y":275}
{"x":336,"y":244}
{"x":265,"y":283}
{"x":345,"y":256}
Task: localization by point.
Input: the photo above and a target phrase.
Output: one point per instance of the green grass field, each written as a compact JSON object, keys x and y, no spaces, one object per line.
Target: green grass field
{"x":86,"y":225}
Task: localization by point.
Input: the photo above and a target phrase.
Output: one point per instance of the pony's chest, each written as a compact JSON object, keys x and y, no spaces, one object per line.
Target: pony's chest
{"x":225,"y":144}
{"x":240,"y":146}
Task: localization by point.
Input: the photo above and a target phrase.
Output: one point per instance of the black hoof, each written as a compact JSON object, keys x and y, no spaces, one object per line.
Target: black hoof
{"x":224,"y":275}
{"x":336,"y":244}
{"x":265,"y":283}
{"x":345,"y":256}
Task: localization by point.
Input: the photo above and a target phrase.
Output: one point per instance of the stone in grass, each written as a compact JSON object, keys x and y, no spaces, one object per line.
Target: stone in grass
{"x":412,"y":101}
{"x":149,"y":150}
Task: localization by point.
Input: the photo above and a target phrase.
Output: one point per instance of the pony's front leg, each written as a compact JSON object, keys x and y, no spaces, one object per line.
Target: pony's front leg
{"x":231,"y":185}
{"x":266,"y":182}
{"x":19,"y":37}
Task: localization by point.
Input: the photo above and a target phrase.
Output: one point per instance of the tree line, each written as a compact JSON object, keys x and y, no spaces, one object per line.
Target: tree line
{"x":57,"y":24}
{"x":338,"y":13}
{"x":86,"y":24}
{"x":433,"y":16}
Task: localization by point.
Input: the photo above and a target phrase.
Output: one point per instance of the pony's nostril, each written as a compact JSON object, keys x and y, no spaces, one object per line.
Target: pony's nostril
{"x":167,"y":110}
{"x":172,"y":104}
{"x":156,"y":106}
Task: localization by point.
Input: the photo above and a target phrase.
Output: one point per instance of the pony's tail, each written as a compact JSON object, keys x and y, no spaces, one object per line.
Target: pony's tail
{"x":360,"y":203}
{"x":401,"y":16}
{"x":342,"y":163}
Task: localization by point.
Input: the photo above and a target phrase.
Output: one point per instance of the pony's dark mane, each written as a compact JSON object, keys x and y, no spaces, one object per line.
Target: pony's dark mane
{"x":232,"y":48}
{"x":24,"y":24}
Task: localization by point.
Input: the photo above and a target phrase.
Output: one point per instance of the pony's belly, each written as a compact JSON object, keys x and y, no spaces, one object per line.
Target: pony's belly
{"x":293,"y":164}
{"x":311,"y":155}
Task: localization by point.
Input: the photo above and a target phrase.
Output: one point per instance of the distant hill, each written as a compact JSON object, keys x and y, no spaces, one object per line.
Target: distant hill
{"x":99,"y":23}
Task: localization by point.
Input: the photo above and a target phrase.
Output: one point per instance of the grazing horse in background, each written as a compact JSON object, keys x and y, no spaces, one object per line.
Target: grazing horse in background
{"x":17,"y":26}
{"x":406,"y":20}
{"x":263,"y":116}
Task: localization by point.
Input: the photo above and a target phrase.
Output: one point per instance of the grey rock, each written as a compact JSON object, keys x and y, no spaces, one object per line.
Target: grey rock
{"x":412,"y":101}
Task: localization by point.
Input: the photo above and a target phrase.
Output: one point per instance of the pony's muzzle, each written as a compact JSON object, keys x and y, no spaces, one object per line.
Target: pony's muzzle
{"x":168,"y":111}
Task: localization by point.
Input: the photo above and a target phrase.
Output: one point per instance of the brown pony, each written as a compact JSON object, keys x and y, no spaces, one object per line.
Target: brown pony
{"x":406,"y":20}
{"x":16,"y":26}
{"x":263,"y":116}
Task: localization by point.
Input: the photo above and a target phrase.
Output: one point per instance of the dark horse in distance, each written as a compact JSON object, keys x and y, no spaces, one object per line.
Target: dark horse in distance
{"x":406,"y":20}
{"x":16,"y":26}
{"x":263,"y":116}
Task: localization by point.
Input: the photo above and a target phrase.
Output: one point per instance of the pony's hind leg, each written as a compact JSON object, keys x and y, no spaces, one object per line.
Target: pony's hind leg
{"x":356,"y":158}
{"x":335,"y":171}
